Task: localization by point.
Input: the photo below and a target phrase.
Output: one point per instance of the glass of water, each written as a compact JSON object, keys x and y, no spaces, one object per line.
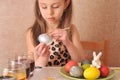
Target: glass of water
{"x":17,"y":69}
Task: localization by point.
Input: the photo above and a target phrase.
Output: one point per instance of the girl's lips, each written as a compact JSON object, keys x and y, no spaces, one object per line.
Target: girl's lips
{"x":51,"y":18}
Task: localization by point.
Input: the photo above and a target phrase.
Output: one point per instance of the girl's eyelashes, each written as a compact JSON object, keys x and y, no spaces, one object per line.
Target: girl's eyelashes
{"x":44,"y":7}
{"x":53,"y":6}
{"x":56,"y":7}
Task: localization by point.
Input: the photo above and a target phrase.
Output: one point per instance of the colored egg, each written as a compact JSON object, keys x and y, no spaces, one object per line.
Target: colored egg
{"x":70,"y":64}
{"x":76,"y":71}
{"x":85,"y":61}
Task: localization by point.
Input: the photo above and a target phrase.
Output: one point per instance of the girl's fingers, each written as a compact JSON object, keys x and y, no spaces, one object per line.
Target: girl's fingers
{"x":56,"y":36}
{"x":39,"y":48}
{"x":45,"y":53}
{"x":42,"y":52}
{"x":40,"y":45}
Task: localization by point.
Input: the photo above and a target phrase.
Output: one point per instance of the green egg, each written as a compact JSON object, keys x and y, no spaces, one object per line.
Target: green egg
{"x":85,"y":66}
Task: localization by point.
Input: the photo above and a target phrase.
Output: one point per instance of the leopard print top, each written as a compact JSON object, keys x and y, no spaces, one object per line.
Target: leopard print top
{"x":59,"y":55}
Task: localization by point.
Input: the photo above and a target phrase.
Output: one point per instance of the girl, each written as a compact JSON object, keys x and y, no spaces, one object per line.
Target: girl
{"x":54,"y":18}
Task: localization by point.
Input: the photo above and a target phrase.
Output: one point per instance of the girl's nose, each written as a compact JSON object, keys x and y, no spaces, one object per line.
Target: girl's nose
{"x":50,"y":11}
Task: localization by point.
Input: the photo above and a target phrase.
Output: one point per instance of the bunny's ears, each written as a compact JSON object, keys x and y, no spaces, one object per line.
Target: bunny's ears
{"x":97,"y":56}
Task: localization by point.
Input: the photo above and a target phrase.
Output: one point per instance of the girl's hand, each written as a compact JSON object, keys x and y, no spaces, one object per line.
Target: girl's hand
{"x":60,"y":35}
{"x":42,"y":50}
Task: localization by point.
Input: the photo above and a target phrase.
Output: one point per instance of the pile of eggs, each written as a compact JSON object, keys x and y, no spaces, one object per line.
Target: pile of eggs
{"x":85,"y":70}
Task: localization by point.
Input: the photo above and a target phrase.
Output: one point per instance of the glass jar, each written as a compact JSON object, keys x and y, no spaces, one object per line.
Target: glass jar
{"x":17,"y":69}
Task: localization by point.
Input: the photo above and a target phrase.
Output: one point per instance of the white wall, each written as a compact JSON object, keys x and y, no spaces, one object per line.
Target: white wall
{"x":15,"y":17}
{"x":99,"y":19}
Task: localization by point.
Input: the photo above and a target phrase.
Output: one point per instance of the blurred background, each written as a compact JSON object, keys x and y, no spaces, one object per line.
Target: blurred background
{"x":95,"y":19}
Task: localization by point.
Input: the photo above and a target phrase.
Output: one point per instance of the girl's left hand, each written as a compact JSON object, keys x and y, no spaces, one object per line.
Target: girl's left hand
{"x":60,"y":35}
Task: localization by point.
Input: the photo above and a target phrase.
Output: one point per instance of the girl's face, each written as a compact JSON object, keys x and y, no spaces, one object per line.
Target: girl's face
{"x":52,"y":10}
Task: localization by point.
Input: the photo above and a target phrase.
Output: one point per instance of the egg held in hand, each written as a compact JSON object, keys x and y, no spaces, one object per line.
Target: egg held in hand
{"x":104,"y":71}
{"x":76,"y":71}
{"x":45,"y":38}
{"x":70,"y":64}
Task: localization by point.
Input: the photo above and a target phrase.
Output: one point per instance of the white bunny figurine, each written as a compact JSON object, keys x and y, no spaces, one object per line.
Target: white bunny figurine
{"x":96,"y":59}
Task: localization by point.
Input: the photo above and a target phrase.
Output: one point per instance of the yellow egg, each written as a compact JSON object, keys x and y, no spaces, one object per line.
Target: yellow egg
{"x":91,"y":73}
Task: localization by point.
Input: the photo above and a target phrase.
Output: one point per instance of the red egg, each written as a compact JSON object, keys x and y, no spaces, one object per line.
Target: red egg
{"x":70,"y":64}
{"x":104,"y":71}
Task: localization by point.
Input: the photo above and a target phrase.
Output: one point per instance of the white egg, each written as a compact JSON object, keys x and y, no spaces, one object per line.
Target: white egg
{"x":45,"y":38}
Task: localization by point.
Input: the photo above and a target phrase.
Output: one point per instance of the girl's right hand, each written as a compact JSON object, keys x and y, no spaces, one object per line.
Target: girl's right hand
{"x":42,"y":50}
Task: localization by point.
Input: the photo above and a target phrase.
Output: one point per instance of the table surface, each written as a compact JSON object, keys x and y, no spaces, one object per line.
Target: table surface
{"x":52,"y":73}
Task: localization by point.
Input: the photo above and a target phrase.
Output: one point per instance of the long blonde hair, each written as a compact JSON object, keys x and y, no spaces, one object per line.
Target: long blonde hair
{"x":39,"y":25}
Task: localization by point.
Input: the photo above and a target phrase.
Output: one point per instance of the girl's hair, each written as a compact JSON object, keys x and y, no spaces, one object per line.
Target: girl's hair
{"x":39,"y":25}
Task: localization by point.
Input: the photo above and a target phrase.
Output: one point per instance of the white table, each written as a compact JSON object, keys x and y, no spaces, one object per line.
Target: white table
{"x":48,"y":72}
